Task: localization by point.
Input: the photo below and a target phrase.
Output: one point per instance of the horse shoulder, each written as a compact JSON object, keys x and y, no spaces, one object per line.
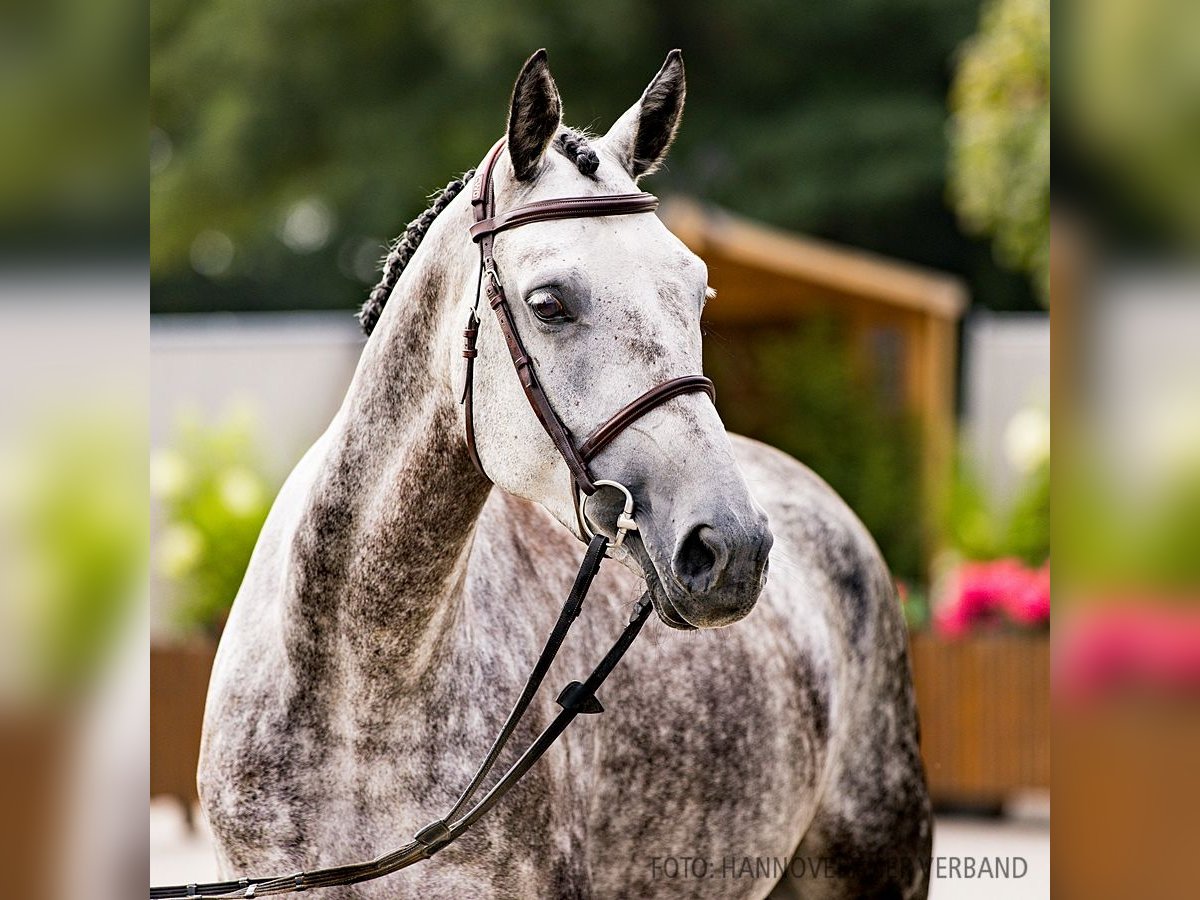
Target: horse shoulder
{"x":251,"y":743}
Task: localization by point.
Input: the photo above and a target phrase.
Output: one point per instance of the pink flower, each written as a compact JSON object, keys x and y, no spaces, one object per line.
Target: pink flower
{"x":952,"y":621}
{"x":987,"y":592}
{"x":1128,"y":645}
{"x":1029,"y":603}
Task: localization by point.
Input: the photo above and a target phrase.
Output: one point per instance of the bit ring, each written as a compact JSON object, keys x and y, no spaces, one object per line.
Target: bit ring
{"x":625,"y":521}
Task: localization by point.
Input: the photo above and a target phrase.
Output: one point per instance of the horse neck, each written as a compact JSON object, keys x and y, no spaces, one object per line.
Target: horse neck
{"x":380,"y":554}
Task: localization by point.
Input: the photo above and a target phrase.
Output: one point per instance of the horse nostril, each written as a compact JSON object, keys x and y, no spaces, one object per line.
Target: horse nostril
{"x":700,"y":558}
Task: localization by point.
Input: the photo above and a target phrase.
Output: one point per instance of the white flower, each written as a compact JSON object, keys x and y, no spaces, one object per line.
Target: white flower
{"x":1171,"y":432}
{"x":1027,"y":439}
{"x":170,"y":474}
{"x":179,"y":549}
{"x":241,"y":491}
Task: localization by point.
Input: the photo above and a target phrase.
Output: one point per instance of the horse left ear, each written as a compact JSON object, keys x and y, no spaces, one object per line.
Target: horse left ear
{"x":642,"y":137}
{"x":533,"y":116}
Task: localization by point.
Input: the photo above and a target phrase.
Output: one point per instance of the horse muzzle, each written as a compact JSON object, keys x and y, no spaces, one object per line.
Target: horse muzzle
{"x":718,"y":571}
{"x":709,"y":573}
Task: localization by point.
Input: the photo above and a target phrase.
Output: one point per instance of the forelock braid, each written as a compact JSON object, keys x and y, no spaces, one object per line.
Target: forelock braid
{"x":401,"y":252}
{"x":575,"y":147}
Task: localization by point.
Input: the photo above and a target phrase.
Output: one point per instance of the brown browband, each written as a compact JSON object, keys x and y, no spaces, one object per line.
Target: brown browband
{"x":487,"y":225}
{"x":565,"y":208}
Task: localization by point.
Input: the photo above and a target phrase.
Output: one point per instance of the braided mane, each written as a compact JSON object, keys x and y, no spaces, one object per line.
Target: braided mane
{"x":401,"y":252}
{"x":571,"y":144}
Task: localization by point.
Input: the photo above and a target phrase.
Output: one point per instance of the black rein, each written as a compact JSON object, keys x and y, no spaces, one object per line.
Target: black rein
{"x":575,"y":699}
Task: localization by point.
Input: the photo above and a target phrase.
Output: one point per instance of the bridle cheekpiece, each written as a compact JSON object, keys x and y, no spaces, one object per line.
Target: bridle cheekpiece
{"x":488,"y":223}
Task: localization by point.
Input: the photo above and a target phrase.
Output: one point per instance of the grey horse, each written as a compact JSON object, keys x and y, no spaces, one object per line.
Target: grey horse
{"x":396,"y":600}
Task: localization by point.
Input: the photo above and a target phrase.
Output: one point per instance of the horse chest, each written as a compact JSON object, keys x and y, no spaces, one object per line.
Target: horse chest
{"x":605,"y":810}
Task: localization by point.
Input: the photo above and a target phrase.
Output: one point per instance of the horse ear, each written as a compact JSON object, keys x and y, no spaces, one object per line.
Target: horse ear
{"x":642,"y":137}
{"x":534,"y":116}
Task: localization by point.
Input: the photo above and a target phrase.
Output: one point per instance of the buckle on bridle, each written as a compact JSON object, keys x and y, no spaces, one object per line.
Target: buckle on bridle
{"x":625,"y":520}
{"x":491,"y":285}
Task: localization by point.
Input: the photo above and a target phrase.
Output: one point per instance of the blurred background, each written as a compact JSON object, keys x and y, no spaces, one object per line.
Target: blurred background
{"x":74,"y":290}
{"x":869,"y":184}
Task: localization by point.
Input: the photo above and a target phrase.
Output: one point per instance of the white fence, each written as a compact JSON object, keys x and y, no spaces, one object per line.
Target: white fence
{"x":290,"y":369}
{"x":1006,"y":372}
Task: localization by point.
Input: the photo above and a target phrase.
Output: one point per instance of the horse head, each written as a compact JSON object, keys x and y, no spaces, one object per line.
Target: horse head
{"x":607,"y":308}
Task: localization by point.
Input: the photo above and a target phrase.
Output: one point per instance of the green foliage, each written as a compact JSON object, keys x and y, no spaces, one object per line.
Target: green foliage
{"x":1145,"y":544}
{"x":799,"y":391}
{"x":74,"y":508}
{"x":980,"y":531}
{"x":826,"y":118}
{"x":1129,"y":79}
{"x":1000,"y":160}
{"x":72,"y":149}
{"x":215,"y":498}
{"x":1170,"y":546}
{"x":915,"y":604}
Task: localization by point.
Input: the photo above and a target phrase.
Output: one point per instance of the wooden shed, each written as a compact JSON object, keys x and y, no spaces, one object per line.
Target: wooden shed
{"x":902,"y":317}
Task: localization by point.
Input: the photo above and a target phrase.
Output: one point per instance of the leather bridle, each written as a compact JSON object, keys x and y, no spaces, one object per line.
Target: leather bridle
{"x":489,"y":223}
{"x":577,"y":698}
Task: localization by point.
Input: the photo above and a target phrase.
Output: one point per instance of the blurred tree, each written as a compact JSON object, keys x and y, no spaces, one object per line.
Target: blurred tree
{"x":291,"y":140}
{"x":72,"y":144}
{"x":1000,"y":163}
{"x":1130,"y":83}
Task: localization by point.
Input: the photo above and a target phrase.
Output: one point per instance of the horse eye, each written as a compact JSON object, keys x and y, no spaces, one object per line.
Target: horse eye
{"x":547,"y":307}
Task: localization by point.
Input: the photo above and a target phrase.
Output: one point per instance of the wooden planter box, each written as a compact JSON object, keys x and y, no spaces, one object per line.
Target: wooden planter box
{"x":984,"y":703}
{"x":34,"y":756}
{"x":178,"y":686}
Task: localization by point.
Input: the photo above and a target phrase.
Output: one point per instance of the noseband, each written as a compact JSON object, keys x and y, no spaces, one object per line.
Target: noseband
{"x":489,"y":223}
